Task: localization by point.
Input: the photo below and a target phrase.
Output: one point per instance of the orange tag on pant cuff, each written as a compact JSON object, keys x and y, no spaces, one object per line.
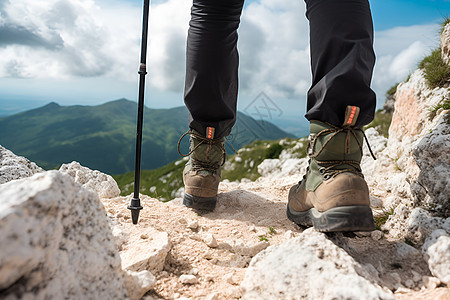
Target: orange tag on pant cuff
{"x":351,"y":115}
{"x":210,"y":132}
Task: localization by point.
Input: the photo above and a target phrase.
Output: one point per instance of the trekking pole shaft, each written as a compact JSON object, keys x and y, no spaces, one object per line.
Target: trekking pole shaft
{"x":135,"y":205}
{"x":142,"y":72}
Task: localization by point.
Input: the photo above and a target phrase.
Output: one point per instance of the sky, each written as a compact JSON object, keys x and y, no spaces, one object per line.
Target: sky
{"x":87,"y":51}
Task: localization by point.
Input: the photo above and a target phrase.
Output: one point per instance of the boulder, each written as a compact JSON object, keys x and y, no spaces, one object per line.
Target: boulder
{"x":445,"y":44}
{"x":15,"y":167}
{"x":104,"y":185}
{"x":309,"y":267}
{"x":436,"y":250}
{"x":56,"y":242}
{"x":419,"y":140}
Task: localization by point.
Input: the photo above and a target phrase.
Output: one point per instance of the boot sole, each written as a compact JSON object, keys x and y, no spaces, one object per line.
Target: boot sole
{"x":200,"y":203}
{"x":338,"y":219}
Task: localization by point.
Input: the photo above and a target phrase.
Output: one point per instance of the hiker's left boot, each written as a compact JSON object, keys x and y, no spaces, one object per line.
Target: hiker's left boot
{"x":201,"y":175}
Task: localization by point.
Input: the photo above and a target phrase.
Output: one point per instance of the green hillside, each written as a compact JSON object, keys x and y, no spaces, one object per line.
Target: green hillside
{"x":102,"y":137}
{"x":164,"y":182}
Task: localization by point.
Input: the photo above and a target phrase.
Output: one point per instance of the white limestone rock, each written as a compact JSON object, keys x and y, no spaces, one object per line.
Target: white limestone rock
{"x":148,"y":251}
{"x":282,"y":167}
{"x":15,"y":167}
{"x":104,"y":185}
{"x":188,"y":279}
{"x":139,"y":283}
{"x":309,"y":267}
{"x":250,"y":248}
{"x":436,"y":250}
{"x":445,"y":44}
{"x":56,"y":242}
{"x":419,"y":142}
{"x":415,"y":224}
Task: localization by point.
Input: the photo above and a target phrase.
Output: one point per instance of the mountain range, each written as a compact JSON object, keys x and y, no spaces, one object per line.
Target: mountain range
{"x":102,"y":137}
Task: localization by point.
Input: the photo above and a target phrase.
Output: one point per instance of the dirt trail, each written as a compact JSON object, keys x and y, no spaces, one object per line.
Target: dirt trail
{"x":249,"y":217}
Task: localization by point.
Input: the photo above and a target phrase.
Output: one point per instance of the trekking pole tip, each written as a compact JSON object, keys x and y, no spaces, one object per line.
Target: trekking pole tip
{"x":135,"y":208}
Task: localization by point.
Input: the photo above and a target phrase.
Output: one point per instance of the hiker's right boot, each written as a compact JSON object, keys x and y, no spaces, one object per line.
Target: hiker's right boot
{"x":201,"y":175}
{"x":333,"y":195}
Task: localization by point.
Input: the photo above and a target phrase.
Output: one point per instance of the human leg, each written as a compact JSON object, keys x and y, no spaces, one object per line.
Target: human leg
{"x":210,"y":95}
{"x":333,"y":195}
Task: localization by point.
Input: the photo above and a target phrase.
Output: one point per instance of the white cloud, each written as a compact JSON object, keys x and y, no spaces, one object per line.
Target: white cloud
{"x":398,"y":52}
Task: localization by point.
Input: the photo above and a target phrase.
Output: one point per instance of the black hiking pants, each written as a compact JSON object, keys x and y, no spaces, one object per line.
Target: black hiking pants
{"x":342,"y":60}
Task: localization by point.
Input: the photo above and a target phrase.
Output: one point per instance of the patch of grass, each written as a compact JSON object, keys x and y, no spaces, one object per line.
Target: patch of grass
{"x":437,"y":73}
{"x":274,"y":151}
{"x":381,"y":122}
{"x":162,"y":183}
{"x":263,"y":238}
{"x":409,"y":242}
{"x":381,"y":220}
{"x":272,"y":231}
{"x":392,"y":90}
{"x":159,"y":183}
{"x":444,"y":23}
{"x":445,"y":104}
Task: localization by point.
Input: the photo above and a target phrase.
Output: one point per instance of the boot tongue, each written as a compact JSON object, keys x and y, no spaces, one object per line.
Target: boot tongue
{"x":333,"y":146}
{"x":208,"y":151}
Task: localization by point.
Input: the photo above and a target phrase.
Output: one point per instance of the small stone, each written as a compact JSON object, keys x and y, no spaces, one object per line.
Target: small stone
{"x":289,"y":235}
{"x":409,"y":284}
{"x":138,"y":283}
{"x":395,"y":277}
{"x":252,"y":228}
{"x":188,"y":279}
{"x":208,"y":255}
{"x":193,"y":224}
{"x":234,"y":231}
{"x":213,"y":296}
{"x":431,"y":282}
{"x":402,"y":290}
{"x":194,"y":271}
{"x":230,"y":278}
{"x":376,"y":235}
{"x":182,"y":221}
{"x":234,"y":293}
{"x":210,"y":241}
{"x":195,"y":237}
{"x":209,"y":277}
{"x":416,"y":276}
{"x":363,"y":233}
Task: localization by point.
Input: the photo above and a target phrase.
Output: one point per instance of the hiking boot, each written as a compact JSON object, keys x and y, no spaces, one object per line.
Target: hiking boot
{"x":333,"y":195}
{"x":201,"y":175}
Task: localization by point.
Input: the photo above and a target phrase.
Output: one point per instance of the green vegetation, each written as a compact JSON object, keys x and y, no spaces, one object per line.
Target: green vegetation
{"x":161,"y":183}
{"x":164,"y":182}
{"x":444,"y":23}
{"x":102,"y":137}
{"x":245,"y":163}
{"x":272,"y":230}
{"x":437,"y":73}
{"x":263,"y":238}
{"x":392,"y":90}
{"x":381,"y":122}
{"x":381,"y":220}
{"x":444,"y":104}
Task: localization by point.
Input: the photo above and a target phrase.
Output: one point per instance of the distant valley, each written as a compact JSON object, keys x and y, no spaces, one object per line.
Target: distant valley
{"x":102,"y":137}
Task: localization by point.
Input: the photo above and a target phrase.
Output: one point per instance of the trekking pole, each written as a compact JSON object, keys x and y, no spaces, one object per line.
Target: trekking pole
{"x":135,"y":205}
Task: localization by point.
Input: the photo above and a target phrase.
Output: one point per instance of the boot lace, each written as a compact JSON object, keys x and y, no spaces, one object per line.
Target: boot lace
{"x":328,"y":168}
{"x":203,"y":165}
